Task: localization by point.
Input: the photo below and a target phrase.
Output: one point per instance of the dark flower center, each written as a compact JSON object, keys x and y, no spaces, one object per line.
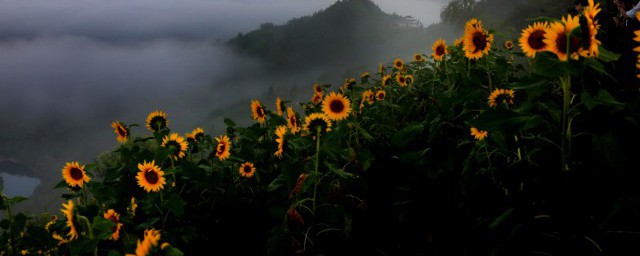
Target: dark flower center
{"x":381,"y":96}
{"x":151,"y":177}
{"x":398,"y":64}
{"x":246,"y":169}
{"x":113,"y":219}
{"x":561,"y":42}
{"x":336,"y":106}
{"x":260,"y":111}
{"x":409,"y":80}
{"x":479,"y":41}
{"x":221,"y":148}
{"x":174,"y":147}
{"x":121,"y":131}
{"x":76,"y":173}
{"x":402,"y":80}
{"x":536,"y":40}
{"x":440,"y":50}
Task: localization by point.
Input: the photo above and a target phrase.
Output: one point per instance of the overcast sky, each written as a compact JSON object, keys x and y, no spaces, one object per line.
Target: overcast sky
{"x":142,"y":19}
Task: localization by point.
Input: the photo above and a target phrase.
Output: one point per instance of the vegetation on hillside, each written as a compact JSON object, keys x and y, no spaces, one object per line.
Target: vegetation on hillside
{"x":457,"y":151}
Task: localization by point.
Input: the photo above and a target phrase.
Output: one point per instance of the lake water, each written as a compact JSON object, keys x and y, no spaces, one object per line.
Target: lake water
{"x":18,"y":185}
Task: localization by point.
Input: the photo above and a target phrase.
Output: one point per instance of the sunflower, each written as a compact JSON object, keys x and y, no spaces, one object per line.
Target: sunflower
{"x":401,"y":79}
{"x":176,"y":144}
{"x":317,"y":121}
{"x":477,"y":41}
{"x":74,"y":174}
{"x":131,"y":209}
{"x":61,"y":240}
{"x":317,"y":98}
{"x":386,"y":80}
{"x":247,"y":170}
{"x":408,"y":79}
{"x":439,"y":49}
{"x":365,"y":75}
{"x":280,"y":107}
{"x":417,"y":57}
{"x":317,"y":88}
{"x":114,"y":217}
{"x":349,"y":83}
{"x":504,"y":96}
{"x":121,"y":131}
{"x":196,"y":135}
{"x":532,"y":39}
{"x":69,"y":213}
{"x":591,"y":11}
{"x":157,"y":120}
{"x":589,"y":32}
{"x":367,"y":96}
{"x":556,"y":37}
{"x":280,"y":132}
{"x":292,"y":121}
{"x":336,"y":106}
{"x":224,"y":147}
{"x":478,"y":134}
{"x":257,"y":111}
{"x":151,"y":240}
{"x":398,"y":64}
{"x":53,"y":220}
{"x":508,"y":44}
{"x":458,"y":41}
{"x":472,"y":24}
{"x":380,"y":95}
{"x":150,"y":177}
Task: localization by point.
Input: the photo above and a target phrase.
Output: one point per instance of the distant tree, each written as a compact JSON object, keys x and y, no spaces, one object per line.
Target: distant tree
{"x":458,"y":11}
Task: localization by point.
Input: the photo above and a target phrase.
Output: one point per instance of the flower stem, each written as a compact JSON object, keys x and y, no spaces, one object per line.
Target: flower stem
{"x":90,"y":228}
{"x":316,"y":180}
{"x":566,"y":133}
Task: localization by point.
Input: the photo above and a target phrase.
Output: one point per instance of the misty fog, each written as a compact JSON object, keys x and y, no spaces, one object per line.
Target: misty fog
{"x":68,"y":69}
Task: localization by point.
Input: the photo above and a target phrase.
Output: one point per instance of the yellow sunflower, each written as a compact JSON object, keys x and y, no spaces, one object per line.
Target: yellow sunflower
{"x":478,"y":134}
{"x":131,"y":209}
{"x":349,"y":83}
{"x":408,"y":79}
{"x":366,"y":96}
{"x":121,"y":131}
{"x":336,"y":106}
{"x":380,"y":95}
{"x":386,"y":80}
{"x":317,"y":98}
{"x":473,"y":24}
{"x":318,"y":88}
{"x":401,"y":79}
{"x":365,"y":75}
{"x":417,"y":57}
{"x":591,"y":11}
{"x":223,"y":150}
{"x":458,"y":42}
{"x":150,"y":241}
{"x":504,"y":96}
{"x":477,"y":41}
{"x":292,"y":121}
{"x":556,"y":37}
{"x":532,"y":39}
{"x":398,"y":64}
{"x":176,"y":144}
{"x":439,"y":49}
{"x":280,"y":107}
{"x":315,"y":121}
{"x":257,"y":111}
{"x":280,"y":132}
{"x":150,"y":177}
{"x":70,"y":215}
{"x":157,"y":120}
{"x":589,"y":33}
{"x":114,"y":217}
{"x":508,"y":44}
{"x":247,"y":170}
{"x":61,"y":240}
{"x":74,"y":174}
{"x":196,"y":135}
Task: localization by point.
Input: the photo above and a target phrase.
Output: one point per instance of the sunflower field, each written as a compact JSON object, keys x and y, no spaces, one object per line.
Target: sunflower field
{"x":473,"y":148}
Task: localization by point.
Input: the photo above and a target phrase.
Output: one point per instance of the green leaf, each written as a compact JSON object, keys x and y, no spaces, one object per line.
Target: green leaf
{"x":102,"y":228}
{"x":61,"y":184}
{"x":546,"y":64}
{"x":406,"y":135}
{"x":588,"y":101}
{"x":276,"y":184}
{"x":598,"y":67}
{"x":365,"y":134}
{"x":176,"y":205}
{"x":605,"y":98}
{"x":113,"y":253}
{"x":16,"y":199}
{"x":607,"y":56}
{"x":502,"y":219}
{"x":340,"y":172}
{"x":172,"y":251}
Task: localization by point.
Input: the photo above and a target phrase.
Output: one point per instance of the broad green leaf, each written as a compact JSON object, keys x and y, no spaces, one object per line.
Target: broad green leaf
{"x":176,"y":205}
{"x":406,"y":135}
